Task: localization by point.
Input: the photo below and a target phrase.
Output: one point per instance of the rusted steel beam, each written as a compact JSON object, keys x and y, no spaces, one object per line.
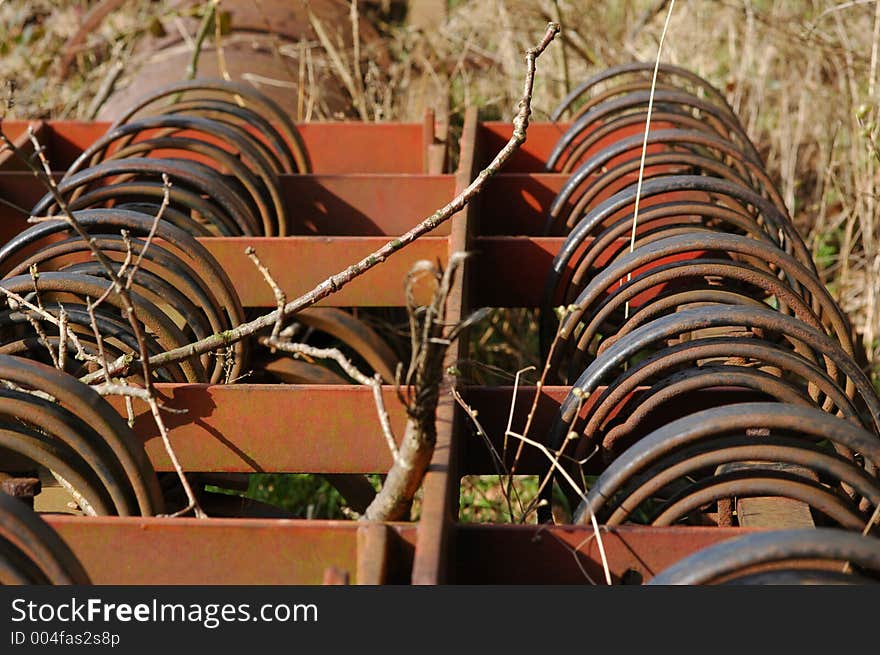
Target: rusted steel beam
{"x":543,"y":137}
{"x":334,"y":148}
{"x":156,"y":551}
{"x":352,"y":147}
{"x":372,"y":553}
{"x":531,"y":156}
{"x":300,"y":263}
{"x":353,"y":205}
{"x":532,"y":554}
{"x":255,"y":427}
{"x":364,"y":204}
{"x":517,"y":203}
{"x":275,"y":428}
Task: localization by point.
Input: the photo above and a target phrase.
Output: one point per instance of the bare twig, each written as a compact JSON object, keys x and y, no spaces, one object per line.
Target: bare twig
{"x":207,"y":21}
{"x":106,"y":88}
{"x":335,"y":282}
{"x":280,"y":296}
{"x":496,"y":457}
{"x":554,"y":462}
{"x":17,"y":302}
{"x":166,"y":198}
{"x":62,"y":337}
{"x":41,"y":334}
{"x":339,"y":66}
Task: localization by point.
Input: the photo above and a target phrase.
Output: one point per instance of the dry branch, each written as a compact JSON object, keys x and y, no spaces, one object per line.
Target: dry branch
{"x":336,"y":282}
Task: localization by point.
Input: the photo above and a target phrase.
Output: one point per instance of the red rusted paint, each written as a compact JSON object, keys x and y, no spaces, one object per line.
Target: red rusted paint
{"x":435,"y":546}
{"x":334,"y":148}
{"x":298,"y":264}
{"x":276,"y":428}
{"x":364,"y":204}
{"x":155,"y":551}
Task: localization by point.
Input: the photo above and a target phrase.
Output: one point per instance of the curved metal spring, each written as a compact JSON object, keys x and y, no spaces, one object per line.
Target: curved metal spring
{"x":610,"y":100}
{"x":810,"y":343}
{"x":357,"y":336}
{"x":741,"y":450}
{"x":674,"y":263}
{"x":619,"y":116}
{"x":57,"y":422}
{"x":221,"y":144}
{"x":641,"y":72}
{"x":684,"y":152}
{"x":290,"y":149}
{"x":181,"y":292}
{"x":781,"y":557}
{"x":712,"y":297}
{"x":192,"y":137}
{"x":201,"y":202}
{"x":31,"y":552}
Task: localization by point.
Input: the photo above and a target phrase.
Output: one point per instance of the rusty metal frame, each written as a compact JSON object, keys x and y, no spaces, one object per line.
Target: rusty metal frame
{"x":355,"y":198}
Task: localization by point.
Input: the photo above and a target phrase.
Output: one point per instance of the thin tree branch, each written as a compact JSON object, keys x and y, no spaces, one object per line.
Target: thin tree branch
{"x":335,"y":282}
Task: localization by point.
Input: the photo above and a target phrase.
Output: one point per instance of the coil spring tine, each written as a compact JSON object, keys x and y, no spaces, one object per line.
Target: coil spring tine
{"x":94,"y":496}
{"x":119,"y":140}
{"x":617,"y":177}
{"x":246,"y":183}
{"x":623,"y":391}
{"x":777,"y":225}
{"x":272,"y":143}
{"x":716,"y":453}
{"x":645,"y":70}
{"x":25,"y":529}
{"x":612,"y":241}
{"x":594,"y":135}
{"x":163,"y":295}
{"x":583,"y":186}
{"x":709,"y":317}
{"x":814,"y":291}
{"x":16,"y":568}
{"x":716,"y":121}
{"x":208,"y":192}
{"x":246,"y":91}
{"x":167,"y":334}
{"x":601,"y":321}
{"x":172,"y":282}
{"x":117,"y":338}
{"x":85,"y":403}
{"x":807,"y":423}
{"x":699,"y":376}
{"x":356,"y":334}
{"x":735,"y":559}
{"x":184,"y":260}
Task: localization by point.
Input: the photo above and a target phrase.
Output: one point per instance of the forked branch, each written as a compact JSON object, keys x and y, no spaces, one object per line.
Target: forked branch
{"x":335,"y":282}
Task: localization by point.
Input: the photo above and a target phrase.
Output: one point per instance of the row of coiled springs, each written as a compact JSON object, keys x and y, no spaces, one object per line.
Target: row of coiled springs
{"x":707,"y":361}
{"x":207,"y":157}
{"x":210,"y":167}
